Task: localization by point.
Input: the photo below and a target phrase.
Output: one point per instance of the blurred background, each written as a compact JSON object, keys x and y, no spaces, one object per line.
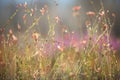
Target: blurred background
{"x":61,"y":8}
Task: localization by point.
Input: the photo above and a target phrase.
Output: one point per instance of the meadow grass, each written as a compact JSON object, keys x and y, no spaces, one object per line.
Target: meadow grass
{"x":90,"y":58}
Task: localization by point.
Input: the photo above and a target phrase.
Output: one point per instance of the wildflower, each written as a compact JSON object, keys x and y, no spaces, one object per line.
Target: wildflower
{"x":113,"y":14}
{"x":57,"y":19}
{"x":83,"y":42}
{"x":2,"y":30}
{"x":102,"y":13}
{"x":42,"y":11}
{"x":19,"y":5}
{"x":25,"y":5}
{"x":98,"y":69}
{"x":60,"y":48}
{"x":36,"y":53}
{"x":19,"y":27}
{"x":76,"y":8}
{"x":90,"y":13}
{"x":24,"y":17}
{"x":105,"y":26}
{"x":32,"y":12}
{"x":14,"y":38}
{"x":35,"y":74}
{"x":10,"y":31}
{"x":87,"y":23}
{"x":104,"y":45}
{"x":64,"y":30}
{"x":35,"y":36}
{"x":73,"y":32}
{"x":46,"y":8}
{"x":108,"y":11}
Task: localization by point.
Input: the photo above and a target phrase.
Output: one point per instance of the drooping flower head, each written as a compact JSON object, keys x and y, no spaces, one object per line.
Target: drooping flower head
{"x":10,"y":31}
{"x":14,"y":39}
{"x":35,"y":36}
{"x":19,"y":27}
{"x":42,"y":11}
{"x":76,"y":8}
{"x":57,"y":19}
{"x":25,"y":5}
{"x":90,"y":13}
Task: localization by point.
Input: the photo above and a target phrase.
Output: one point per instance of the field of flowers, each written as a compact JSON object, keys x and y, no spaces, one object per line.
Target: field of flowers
{"x":29,"y":56}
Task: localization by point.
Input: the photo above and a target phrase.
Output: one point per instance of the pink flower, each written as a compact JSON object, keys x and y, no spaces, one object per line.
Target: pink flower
{"x":32,"y":12}
{"x":83,"y":42}
{"x":113,"y":14}
{"x":76,"y":8}
{"x":19,"y":5}
{"x":64,"y":29}
{"x":60,"y":48}
{"x":105,"y":26}
{"x":90,"y":13}
{"x":19,"y":27}
{"x":10,"y":31}
{"x":42,"y":11}
{"x":87,"y":23}
{"x":25,"y":5}
{"x":14,"y":38}
{"x":46,"y":7}
{"x":2,"y":30}
{"x":24,"y":17}
{"x":102,"y":13}
{"x":57,"y":19}
{"x":35,"y":36}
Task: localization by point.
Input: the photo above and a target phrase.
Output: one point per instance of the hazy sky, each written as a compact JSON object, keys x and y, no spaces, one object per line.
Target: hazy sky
{"x":61,"y":8}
